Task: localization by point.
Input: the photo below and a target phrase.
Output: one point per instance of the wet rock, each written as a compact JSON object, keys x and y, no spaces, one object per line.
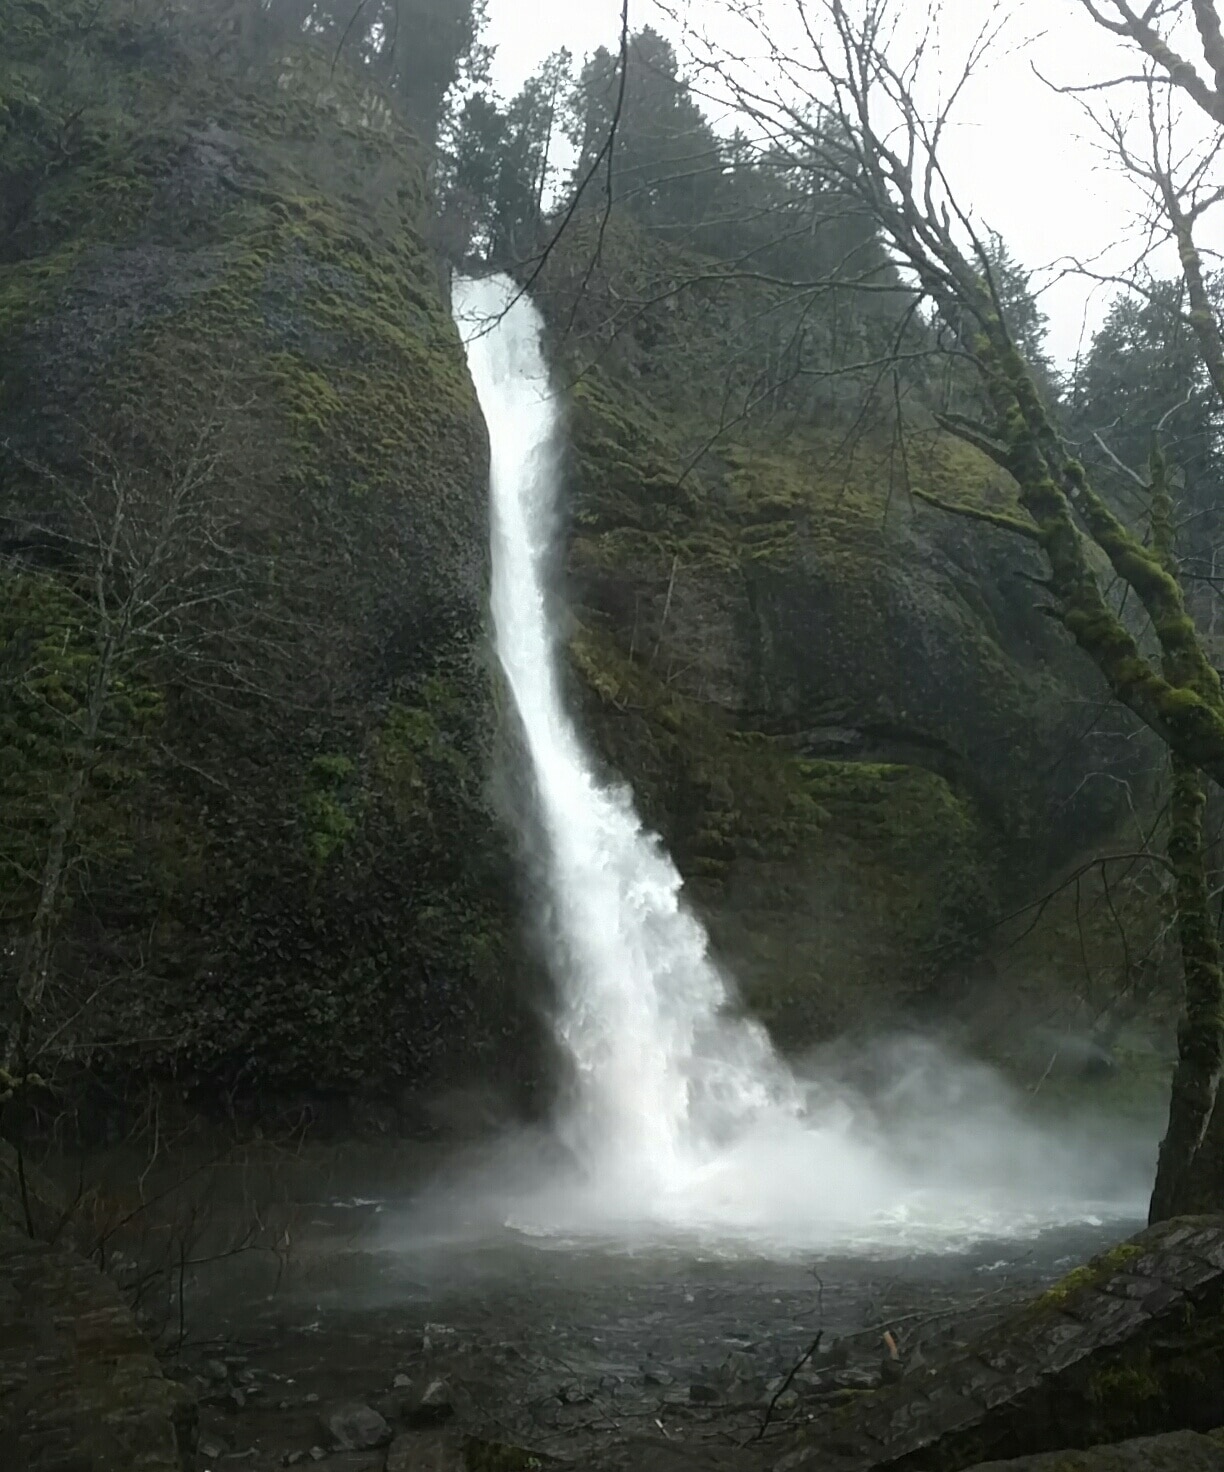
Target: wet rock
{"x":435,"y":1407}
{"x":402,"y":1382}
{"x":1180,"y":1451}
{"x":216,"y":1371}
{"x":356,"y":1428}
{"x":703,"y":1395}
{"x":778,"y":1401}
{"x":741,"y":1377}
{"x":858,"y":1379}
{"x":394,"y":1406}
{"x":1130,"y":1345}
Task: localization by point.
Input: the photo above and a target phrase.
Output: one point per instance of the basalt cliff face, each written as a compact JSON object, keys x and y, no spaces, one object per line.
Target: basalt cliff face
{"x":845,"y":708}
{"x":245,"y":544}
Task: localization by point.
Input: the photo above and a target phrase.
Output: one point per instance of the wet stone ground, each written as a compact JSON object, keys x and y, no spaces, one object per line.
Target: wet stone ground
{"x":367,"y":1347}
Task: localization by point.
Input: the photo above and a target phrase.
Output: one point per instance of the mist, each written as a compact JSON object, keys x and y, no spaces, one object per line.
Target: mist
{"x":903,"y":1145}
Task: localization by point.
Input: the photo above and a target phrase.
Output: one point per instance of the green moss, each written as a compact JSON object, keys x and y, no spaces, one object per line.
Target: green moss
{"x":1181,"y":702}
{"x":770,"y":839}
{"x":30,"y":286}
{"x":1091,"y":1275}
{"x":741,"y":505}
{"x":327,"y":806}
{"x":746,"y":791}
{"x":1124,"y":1387}
{"x":420,"y":764}
{"x":50,"y":665}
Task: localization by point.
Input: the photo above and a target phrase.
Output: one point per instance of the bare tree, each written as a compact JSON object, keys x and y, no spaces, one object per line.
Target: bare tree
{"x":130,"y":574}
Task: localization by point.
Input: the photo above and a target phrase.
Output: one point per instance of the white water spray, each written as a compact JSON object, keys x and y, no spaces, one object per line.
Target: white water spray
{"x":681,"y":1111}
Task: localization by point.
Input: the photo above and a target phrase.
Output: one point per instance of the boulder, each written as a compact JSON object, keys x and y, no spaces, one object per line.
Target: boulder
{"x":1130,"y":1345}
{"x":435,"y":1406}
{"x":356,"y":1428}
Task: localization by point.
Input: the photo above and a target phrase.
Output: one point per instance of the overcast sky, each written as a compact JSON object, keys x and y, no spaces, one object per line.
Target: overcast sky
{"x":1021,"y":156}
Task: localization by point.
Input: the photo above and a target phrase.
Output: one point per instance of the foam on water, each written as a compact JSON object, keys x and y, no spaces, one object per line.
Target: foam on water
{"x":680,"y":1116}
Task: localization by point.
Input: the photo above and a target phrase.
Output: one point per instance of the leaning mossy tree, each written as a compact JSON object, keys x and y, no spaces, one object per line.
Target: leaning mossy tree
{"x":845,"y":105}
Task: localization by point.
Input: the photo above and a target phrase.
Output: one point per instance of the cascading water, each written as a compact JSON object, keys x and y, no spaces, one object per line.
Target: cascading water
{"x":663,"y":1074}
{"x":681,"y":1111}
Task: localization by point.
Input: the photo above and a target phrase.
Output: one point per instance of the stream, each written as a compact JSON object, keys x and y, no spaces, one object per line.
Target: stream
{"x":568,"y":1344}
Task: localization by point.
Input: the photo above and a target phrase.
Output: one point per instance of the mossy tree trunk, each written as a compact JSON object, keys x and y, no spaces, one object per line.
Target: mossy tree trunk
{"x":1200,"y":1033}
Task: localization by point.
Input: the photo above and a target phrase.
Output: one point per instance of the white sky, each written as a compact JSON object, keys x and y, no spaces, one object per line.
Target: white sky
{"x":1022,"y":158}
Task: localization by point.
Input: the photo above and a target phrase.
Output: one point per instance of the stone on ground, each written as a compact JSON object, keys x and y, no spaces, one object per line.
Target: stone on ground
{"x":356,"y":1428}
{"x":1179,"y":1451}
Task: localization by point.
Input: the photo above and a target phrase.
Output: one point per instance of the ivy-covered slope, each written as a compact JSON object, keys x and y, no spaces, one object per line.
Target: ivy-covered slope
{"x":232,"y":398}
{"x":843,"y":707}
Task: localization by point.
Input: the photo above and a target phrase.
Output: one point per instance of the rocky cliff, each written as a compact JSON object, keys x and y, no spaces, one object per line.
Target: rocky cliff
{"x":844,"y":707}
{"x":244,"y":527}
{"x":246,"y":748}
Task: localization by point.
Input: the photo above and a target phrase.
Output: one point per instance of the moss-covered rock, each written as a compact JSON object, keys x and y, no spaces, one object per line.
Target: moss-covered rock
{"x":1130,"y":1345}
{"x":814,"y":875}
{"x":300,"y":884}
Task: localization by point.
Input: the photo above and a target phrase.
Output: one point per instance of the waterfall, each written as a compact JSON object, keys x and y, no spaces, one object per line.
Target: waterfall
{"x":680,"y":1110}
{"x":664,"y":1073}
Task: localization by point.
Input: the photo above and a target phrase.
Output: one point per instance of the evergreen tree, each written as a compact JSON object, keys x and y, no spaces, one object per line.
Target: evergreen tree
{"x":667,"y":161}
{"x":1143,"y":382}
{"x":1144,"y":371}
{"x":417,"y":49}
{"x":1027,"y":324}
{"x":497,"y":169}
